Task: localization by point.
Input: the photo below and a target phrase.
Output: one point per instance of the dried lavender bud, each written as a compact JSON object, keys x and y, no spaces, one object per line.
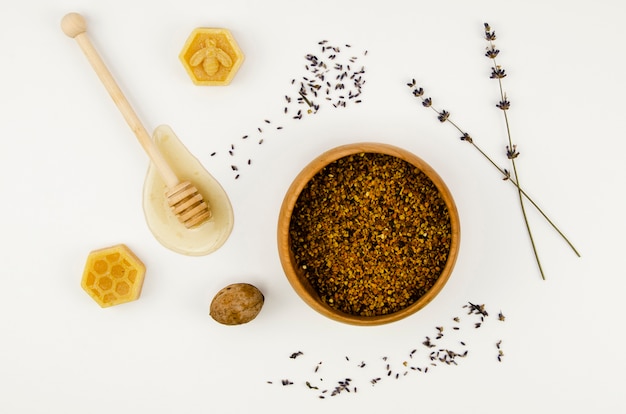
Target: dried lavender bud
{"x":497,"y":73}
{"x":492,"y":52}
{"x":311,"y":387}
{"x":418,"y":92}
{"x":427,"y":102}
{"x":504,"y":104}
{"x":443,"y":116}
{"x":466,"y":137}
{"x":476,"y":309}
{"x":512,"y":153}
{"x":489,"y":34}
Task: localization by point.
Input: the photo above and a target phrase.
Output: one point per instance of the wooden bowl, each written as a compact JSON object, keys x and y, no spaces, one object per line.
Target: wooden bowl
{"x":295,"y":274}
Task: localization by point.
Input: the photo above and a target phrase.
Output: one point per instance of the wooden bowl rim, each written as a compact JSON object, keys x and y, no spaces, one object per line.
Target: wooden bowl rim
{"x":299,"y":282}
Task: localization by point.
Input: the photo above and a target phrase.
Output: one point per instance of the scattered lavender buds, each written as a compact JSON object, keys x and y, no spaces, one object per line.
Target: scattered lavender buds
{"x":500,"y":352}
{"x":333,"y":78}
{"x":433,"y":352}
{"x":476,"y":310}
{"x":296,"y":355}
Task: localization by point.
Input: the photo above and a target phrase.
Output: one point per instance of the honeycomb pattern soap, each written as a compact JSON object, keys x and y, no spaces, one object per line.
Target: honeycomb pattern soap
{"x":113,"y":276}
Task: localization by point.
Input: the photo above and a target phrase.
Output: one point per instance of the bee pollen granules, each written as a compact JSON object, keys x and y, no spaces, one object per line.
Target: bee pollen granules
{"x":371,"y":233}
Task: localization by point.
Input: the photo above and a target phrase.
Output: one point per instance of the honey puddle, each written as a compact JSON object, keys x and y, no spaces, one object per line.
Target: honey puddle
{"x":165,"y":226}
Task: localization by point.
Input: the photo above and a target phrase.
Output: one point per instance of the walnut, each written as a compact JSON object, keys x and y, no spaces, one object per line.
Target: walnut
{"x":236,"y":304}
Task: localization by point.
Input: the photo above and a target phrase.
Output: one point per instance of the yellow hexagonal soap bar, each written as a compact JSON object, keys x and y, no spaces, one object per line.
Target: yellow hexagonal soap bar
{"x":113,"y":276}
{"x":211,"y":56}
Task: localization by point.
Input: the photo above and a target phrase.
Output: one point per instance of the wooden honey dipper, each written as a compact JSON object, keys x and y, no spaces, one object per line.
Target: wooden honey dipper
{"x":183,"y":197}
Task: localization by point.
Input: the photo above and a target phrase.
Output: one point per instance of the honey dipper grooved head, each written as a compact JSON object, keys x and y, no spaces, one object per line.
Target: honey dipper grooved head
{"x":188,"y":204}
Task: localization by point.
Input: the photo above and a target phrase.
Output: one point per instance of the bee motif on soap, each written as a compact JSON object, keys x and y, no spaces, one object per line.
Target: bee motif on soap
{"x":211,"y":57}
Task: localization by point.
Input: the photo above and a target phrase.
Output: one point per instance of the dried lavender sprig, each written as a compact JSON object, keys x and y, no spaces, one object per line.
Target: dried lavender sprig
{"x":427,"y":102}
{"x":498,"y":73}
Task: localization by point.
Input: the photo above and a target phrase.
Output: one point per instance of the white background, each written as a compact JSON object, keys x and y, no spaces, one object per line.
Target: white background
{"x":71,"y":176}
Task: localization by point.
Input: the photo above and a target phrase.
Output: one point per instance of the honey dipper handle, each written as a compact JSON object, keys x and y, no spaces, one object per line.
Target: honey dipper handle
{"x":74,"y":25}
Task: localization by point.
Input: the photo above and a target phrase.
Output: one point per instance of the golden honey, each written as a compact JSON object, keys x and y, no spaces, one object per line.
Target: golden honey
{"x":113,"y":276}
